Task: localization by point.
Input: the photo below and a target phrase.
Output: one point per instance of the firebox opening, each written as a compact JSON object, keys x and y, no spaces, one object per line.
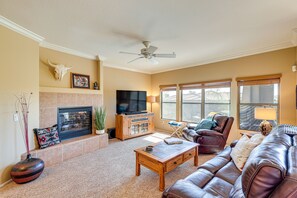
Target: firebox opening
{"x":74,"y":122}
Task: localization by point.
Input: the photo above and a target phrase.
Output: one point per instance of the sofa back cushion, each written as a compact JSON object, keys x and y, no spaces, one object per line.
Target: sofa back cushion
{"x":265,"y":168}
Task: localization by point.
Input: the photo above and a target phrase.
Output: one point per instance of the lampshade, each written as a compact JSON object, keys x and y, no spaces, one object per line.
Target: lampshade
{"x":151,"y":99}
{"x":265,"y":113}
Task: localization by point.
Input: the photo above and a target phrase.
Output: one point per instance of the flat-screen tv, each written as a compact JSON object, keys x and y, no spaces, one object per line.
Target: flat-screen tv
{"x":130,"y":102}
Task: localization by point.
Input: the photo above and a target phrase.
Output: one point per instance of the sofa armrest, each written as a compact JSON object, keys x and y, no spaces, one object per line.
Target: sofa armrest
{"x":185,"y":189}
{"x":206,"y":132}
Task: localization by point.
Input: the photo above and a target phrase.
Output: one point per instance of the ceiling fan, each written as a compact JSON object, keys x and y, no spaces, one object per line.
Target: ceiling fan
{"x":148,"y":53}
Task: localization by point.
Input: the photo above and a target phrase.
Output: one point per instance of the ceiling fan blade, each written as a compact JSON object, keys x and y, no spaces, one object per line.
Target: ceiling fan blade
{"x":151,"y":49}
{"x":153,"y":61}
{"x":129,"y":53}
{"x":135,"y":59}
{"x":173,"y":55}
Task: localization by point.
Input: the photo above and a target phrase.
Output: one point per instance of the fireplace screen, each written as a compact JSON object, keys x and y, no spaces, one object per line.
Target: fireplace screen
{"x":74,"y":122}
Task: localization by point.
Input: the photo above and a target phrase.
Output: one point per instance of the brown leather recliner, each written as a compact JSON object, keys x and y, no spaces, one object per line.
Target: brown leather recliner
{"x":211,"y":141}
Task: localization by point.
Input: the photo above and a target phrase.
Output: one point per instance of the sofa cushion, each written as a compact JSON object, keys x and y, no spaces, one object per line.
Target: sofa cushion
{"x":236,"y":190}
{"x":185,"y":189}
{"x":218,"y":187}
{"x":200,"y":177}
{"x":243,"y":148}
{"x":229,"y":173}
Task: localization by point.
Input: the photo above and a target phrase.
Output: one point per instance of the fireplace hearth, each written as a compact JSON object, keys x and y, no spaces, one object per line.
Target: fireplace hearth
{"x":74,"y":122}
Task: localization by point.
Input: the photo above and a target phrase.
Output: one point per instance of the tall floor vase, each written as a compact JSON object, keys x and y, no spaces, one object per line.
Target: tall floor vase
{"x":27,"y":170}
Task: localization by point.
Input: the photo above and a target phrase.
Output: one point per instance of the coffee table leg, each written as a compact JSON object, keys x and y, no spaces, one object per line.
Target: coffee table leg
{"x":196,"y":157}
{"x":162,"y":180}
{"x":137,"y":165}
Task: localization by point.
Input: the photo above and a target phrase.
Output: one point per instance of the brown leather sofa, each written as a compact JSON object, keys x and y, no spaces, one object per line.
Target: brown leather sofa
{"x":211,"y":141}
{"x":270,"y":171}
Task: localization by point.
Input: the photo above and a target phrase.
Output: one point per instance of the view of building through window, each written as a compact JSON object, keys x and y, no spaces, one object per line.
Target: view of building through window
{"x":168,"y":106}
{"x":252,"y":96}
{"x":198,"y":103}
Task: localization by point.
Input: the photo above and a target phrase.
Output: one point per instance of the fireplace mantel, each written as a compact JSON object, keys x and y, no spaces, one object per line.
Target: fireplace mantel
{"x":69,"y":90}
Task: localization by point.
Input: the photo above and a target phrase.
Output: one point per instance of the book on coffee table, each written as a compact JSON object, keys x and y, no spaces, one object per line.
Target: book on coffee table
{"x":173,"y":140}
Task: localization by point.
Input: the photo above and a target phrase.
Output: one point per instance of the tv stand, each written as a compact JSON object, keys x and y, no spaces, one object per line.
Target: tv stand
{"x":130,"y":126}
{"x":134,"y":113}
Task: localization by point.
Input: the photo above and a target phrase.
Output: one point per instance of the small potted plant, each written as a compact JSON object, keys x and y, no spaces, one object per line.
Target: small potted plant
{"x":100,"y":119}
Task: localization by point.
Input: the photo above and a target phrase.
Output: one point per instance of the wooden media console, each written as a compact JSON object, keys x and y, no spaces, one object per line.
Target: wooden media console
{"x":130,"y":126}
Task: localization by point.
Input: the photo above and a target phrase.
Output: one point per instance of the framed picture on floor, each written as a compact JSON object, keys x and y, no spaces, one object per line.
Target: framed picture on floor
{"x":80,"y":81}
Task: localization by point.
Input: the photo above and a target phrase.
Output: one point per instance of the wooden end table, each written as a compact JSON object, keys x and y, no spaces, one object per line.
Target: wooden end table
{"x":164,"y":158}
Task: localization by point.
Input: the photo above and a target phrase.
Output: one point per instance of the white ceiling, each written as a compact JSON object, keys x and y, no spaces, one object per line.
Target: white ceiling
{"x":198,"y":31}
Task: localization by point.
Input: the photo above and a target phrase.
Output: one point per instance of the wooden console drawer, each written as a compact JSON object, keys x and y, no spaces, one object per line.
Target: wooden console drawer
{"x":188,"y":155}
{"x":172,"y":164}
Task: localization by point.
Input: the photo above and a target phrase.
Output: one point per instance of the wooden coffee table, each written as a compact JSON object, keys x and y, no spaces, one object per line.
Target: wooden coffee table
{"x":164,"y":158}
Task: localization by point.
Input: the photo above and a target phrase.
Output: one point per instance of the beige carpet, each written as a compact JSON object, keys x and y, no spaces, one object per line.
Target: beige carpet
{"x":109,"y":172}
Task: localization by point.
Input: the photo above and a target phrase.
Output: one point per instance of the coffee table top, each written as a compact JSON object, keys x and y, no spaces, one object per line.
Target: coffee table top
{"x":163,"y":152}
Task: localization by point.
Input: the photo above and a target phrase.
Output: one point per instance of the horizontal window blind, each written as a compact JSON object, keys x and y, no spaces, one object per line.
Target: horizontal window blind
{"x":206,"y":84}
{"x":171,"y":87}
{"x":259,"y":80}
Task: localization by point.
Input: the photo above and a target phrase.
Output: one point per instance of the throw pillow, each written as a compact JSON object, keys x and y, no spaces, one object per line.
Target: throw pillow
{"x":243,"y":148}
{"x":205,"y":124}
{"x":47,"y":137}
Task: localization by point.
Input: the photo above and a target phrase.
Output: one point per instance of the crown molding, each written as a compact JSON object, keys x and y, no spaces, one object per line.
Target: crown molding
{"x":241,"y":54}
{"x":294,"y":37}
{"x":19,"y":29}
{"x":126,"y":69}
{"x":69,"y":51}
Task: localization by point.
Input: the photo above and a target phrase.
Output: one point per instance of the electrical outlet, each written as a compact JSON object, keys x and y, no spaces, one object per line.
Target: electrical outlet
{"x":15,"y":117}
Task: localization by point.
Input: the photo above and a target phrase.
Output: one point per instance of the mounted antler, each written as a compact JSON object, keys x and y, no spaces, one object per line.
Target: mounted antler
{"x":60,"y":70}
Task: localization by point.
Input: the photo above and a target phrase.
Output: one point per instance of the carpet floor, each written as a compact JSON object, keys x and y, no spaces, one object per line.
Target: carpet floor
{"x":108,"y":172}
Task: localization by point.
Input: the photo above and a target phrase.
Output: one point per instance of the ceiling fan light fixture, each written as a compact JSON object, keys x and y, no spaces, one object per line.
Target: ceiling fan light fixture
{"x":148,"y":53}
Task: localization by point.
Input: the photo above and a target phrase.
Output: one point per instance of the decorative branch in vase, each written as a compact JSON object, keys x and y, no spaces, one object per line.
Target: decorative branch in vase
{"x":30,"y":168}
{"x":22,"y":108}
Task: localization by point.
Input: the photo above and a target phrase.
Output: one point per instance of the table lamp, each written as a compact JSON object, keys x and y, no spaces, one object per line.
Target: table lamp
{"x":265,"y":113}
{"x":151,"y":99}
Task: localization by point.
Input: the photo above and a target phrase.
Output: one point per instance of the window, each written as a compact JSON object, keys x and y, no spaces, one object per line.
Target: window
{"x":168,"y":102}
{"x":257,"y":92}
{"x":217,"y":100}
{"x":191,"y":105}
{"x":199,"y":99}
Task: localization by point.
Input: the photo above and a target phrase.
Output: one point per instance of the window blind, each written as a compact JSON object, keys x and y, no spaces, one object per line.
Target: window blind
{"x":206,"y":84}
{"x":259,"y":80}
{"x":171,"y":87}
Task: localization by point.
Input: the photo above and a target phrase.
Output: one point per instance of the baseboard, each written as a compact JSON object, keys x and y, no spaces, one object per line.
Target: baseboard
{"x":2,"y":185}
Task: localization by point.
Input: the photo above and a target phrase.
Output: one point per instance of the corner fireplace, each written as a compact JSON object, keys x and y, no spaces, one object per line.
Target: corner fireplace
{"x":74,"y":122}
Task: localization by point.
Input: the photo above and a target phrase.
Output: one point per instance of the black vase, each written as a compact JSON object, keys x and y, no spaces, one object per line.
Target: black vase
{"x":27,"y":170}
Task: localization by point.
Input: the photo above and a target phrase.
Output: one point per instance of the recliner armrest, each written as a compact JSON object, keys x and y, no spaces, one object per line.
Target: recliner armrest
{"x":206,"y":132}
{"x":191,"y":126}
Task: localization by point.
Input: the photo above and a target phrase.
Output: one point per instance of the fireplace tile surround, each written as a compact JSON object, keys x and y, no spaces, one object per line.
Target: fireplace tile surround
{"x":48,"y":106}
{"x":49,"y":103}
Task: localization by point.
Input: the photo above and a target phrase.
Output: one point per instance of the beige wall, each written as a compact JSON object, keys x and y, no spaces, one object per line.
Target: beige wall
{"x":267,"y":63}
{"x":19,"y":73}
{"x":116,"y":79}
{"x":79,"y":65}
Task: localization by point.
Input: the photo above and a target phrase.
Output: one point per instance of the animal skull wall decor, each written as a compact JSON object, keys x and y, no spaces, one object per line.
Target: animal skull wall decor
{"x":60,"y":70}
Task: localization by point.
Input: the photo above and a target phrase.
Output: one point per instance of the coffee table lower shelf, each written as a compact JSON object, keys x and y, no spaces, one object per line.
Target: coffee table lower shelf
{"x":162,"y":166}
